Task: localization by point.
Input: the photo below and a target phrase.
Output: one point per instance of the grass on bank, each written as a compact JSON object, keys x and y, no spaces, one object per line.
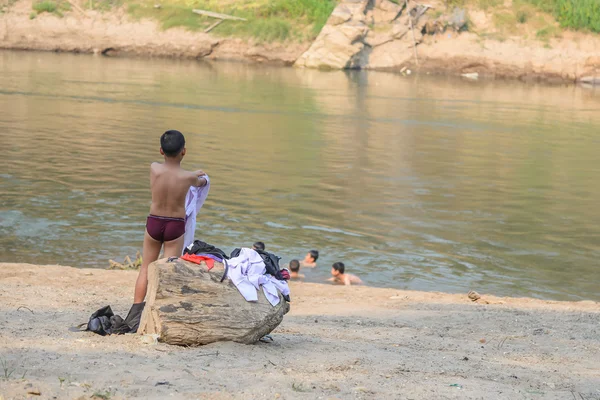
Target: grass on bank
{"x":50,"y":6}
{"x":268,"y":20}
{"x":573,"y":14}
{"x":102,"y":5}
{"x":581,"y":15}
{"x":516,"y":18}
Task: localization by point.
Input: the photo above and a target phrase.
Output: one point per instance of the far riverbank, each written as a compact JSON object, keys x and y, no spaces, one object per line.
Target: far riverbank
{"x":570,"y":57}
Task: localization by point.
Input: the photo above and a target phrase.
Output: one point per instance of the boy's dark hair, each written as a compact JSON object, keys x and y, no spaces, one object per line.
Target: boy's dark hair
{"x":314,"y":254}
{"x":339,"y":267}
{"x":294,"y":265}
{"x":259,"y":246}
{"x":172,"y":142}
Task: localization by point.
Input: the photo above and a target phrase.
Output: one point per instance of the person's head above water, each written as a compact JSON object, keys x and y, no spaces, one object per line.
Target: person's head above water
{"x":311,"y":257}
{"x":172,"y":144}
{"x":338,"y":269}
{"x":294,"y":265}
{"x":259,"y":246}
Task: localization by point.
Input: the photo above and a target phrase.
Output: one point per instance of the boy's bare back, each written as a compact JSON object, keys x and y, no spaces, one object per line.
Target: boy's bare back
{"x":169,"y":185}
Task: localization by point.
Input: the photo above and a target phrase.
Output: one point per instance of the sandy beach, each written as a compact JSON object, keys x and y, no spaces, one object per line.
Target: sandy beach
{"x":336,"y":343}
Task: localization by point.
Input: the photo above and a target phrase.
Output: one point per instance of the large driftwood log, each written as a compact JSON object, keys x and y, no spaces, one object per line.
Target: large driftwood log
{"x":188,"y":305}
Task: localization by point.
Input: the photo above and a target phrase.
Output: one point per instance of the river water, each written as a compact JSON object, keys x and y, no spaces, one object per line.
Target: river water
{"x":414,"y":182}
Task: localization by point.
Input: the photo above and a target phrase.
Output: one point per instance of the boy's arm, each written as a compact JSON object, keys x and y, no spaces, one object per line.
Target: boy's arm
{"x":196,"y":178}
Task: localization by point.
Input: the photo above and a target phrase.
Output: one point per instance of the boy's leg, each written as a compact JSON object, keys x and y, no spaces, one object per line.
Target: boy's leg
{"x":174,"y":248}
{"x":150,"y":254}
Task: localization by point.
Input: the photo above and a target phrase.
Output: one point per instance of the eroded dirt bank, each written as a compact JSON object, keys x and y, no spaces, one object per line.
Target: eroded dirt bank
{"x":114,"y":34}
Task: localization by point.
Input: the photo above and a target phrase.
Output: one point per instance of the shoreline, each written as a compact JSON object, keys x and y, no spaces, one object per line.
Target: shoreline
{"x":12,"y":269}
{"x":412,"y":295}
{"x":571,"y":59}
{"x":336,"y":342}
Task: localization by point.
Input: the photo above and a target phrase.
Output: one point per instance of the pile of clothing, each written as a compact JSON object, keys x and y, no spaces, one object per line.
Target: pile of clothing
{"x":200,"y":251}
{"x":249,"y":270}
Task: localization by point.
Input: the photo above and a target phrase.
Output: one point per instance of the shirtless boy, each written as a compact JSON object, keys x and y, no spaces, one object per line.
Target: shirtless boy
{"x":295,"y":270}
{"x":340,"y":277}
{"x":310,"y":260}
{"x":169,"y":184}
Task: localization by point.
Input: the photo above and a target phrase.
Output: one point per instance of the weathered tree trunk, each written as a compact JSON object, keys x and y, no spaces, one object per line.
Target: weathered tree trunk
{"x":188,"y":305}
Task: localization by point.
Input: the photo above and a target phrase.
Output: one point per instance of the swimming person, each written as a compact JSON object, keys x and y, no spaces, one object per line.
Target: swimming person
{"x":295,"y":270}
{"x":310,"y":260}
{"x":169,"y":184}
{"x":339,"y":276}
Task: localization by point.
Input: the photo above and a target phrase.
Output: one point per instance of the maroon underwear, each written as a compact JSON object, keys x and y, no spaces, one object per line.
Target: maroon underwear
{"x":164,"y":229}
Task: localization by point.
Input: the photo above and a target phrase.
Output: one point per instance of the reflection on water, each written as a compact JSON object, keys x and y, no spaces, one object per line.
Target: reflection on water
{"x":420,"y":183}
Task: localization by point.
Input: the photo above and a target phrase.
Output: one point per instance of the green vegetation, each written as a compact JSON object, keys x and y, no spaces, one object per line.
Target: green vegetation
{"x":493,"y":36}
{"x":545,"y":34}
{"x":505,"y":21}
{"x":105,"y":395}
{"x":508,"y":20}
{"x":268,"y":20}
{"x":485,"y":4}
{"x":524,"y":18}
{"x":50,"y":6}
{"x":45,"y":6}
{"x":267,"y":30}
{"x":574,"y":14}
{"x":104,"y":5}
{"x":6,"y":368}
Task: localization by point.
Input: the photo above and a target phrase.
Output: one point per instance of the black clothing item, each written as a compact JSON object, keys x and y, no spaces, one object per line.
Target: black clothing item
{"x":235,"y":253}
{"x":226,"y":270}
{"x":105,"y":322}
{"x":200,"y":247}
{"x":134,"y":315}
{"x":118,"y":325}
{"x":271,"y":262}
{"x":100,"y":321}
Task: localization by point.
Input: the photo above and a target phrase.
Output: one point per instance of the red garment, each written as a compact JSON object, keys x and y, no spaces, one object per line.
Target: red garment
{"x":210,"y":263}
{"x":284,"y":274}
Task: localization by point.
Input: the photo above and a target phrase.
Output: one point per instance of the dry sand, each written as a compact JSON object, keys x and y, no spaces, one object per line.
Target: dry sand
{"x":336,"y":343}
